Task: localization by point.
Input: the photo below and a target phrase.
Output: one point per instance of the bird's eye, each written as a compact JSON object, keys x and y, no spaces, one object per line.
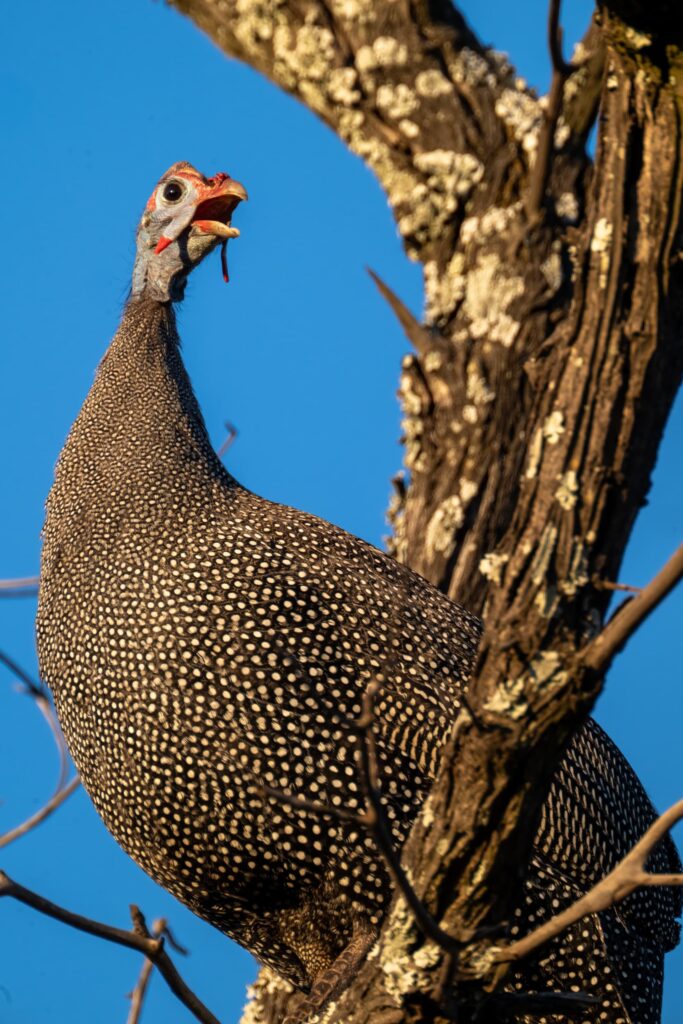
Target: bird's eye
{"x":173,"y":191}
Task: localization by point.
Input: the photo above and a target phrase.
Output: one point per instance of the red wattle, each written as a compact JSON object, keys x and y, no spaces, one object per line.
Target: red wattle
{"x":162,"y":244}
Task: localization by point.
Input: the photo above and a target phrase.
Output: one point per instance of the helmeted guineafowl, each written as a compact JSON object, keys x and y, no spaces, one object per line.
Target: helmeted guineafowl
{"x":202,"y":643}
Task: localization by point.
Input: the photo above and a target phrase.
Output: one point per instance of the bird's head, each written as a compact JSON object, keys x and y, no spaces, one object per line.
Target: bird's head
{"x":186,"y":217}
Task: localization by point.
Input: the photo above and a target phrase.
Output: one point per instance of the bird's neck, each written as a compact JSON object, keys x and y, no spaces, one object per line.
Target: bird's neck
{"x":140,"y":433}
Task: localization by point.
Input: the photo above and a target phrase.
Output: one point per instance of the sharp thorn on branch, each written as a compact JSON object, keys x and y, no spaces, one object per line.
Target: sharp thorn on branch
{"x":420,"y":337}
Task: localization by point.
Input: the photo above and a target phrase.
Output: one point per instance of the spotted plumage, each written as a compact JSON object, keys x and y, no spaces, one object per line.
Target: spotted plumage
{"x":202,"y":643}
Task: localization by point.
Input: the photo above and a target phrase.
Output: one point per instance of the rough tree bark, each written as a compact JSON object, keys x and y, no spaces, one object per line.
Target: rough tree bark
{"x":535,"y":397}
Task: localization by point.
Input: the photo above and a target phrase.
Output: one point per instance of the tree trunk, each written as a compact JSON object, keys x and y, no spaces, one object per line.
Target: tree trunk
{"x":535,"y":397}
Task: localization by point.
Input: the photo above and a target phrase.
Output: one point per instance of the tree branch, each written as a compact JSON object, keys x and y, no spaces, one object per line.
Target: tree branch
{"x":627,"y":618}
{"x":63,"y":789}
{"x":138,"y":994}
{"x":419,"y":337}
{"x":560,"y":358}
{"x":398,"y":85}
{"x":42,"y":701}
{"x":138,"y":939}
{"x":561,"y":71}
{"x":55,"y":801}
{"x":555,"y":35}
{"x":373,"y":818}
{"x":629,"y":874}
{"x":539,"y":389}
{"x":231,"y":434}
{"x":25,"y":586}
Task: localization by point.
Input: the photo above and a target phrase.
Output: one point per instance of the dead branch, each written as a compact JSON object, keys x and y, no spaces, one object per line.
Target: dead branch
{"x":379,"y":825}
{"x":600,"y":652}
{"x":616,"y":886}
{"x":374,"y":819}
{"x":24,"y":586}
{"x":555,"y":35}
{"x":55,"y":801}
{"x":609,"y":585}
{"x":139,"y":939}
{"x":38,"y":693}
{"x":628,"y":875}
{"x":538,"y":179}
{"x":138,"y":994}
{"x":228,"y":442}
{"x":34,"y":688}
{"x":63,"y":789}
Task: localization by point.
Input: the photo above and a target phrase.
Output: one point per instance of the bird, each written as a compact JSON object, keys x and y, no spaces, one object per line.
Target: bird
{"x":207,"y":649}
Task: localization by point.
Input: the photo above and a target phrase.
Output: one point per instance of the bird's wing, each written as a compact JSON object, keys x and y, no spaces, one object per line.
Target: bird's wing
{"x":597,"y":956}
{"x":597,"y":803}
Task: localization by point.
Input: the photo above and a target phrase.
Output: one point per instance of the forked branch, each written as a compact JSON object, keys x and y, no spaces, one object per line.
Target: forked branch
{"x":139,"y":939}
{"x":137,"y":996}
{"x":628,"y":875}
{"x":160,"y":930}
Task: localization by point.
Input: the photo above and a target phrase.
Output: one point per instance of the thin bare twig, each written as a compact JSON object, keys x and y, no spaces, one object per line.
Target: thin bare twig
{"x":381,"y":830}
{"x":555,"y":35}
{"x":538,"y":178}
{"x":139,"y":939}
{"x":34,"y":688}
{"x":63,"y":789}
{"x":38,"y":693}
{"x":609,"y":585}
{"x":24,"y":586}
{"x":628,"y":875}
{"x":227,"y":444}
{"x":600,"y":652}
{"x":315,"y":807}
{"x":374,"y":819}
{"x":137,"y":996}
{"x":55,"y":801}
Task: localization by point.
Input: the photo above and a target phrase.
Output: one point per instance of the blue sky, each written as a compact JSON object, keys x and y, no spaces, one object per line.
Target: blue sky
{"x":299,"y":352}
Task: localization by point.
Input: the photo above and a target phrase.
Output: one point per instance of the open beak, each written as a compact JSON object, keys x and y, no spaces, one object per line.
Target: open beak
{"x":213,"y":212}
